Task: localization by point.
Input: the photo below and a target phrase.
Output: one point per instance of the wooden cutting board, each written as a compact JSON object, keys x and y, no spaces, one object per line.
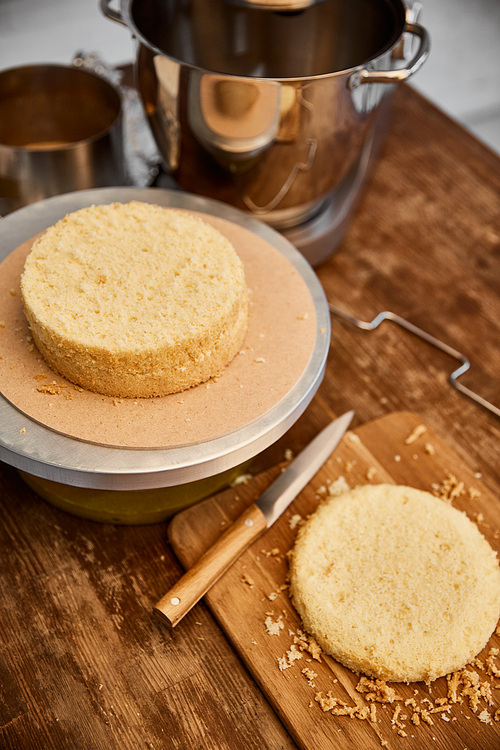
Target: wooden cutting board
{"x":254,"y":591}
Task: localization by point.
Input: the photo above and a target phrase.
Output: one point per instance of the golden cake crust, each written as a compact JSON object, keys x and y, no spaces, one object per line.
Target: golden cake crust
{"x":395,"y":583}
{"x":135,"y":300}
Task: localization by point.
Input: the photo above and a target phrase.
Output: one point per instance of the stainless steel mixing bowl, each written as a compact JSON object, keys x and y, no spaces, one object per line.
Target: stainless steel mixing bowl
{"x":267,"y":110}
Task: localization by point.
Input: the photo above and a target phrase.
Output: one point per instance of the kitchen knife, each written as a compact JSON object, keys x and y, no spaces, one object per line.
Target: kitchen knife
{"x":258,"y":517}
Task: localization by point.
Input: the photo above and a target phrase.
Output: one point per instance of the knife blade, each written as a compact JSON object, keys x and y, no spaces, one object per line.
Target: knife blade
{"x":252,"y":523}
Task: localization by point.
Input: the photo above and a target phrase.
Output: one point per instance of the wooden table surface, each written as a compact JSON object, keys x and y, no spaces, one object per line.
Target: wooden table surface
{"x":83,"y":663}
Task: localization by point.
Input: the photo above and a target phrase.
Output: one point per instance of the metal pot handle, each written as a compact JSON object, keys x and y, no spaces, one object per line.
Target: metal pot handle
{"x":402,"y":74}
{"x":114,"y":15}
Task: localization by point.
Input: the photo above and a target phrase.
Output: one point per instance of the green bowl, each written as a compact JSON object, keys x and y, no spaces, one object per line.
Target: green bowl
{"x":133,"y":507}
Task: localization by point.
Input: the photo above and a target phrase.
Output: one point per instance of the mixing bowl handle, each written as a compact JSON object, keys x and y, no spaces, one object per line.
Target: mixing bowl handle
{"x":393,"y":76}
{"x":114,"y":15}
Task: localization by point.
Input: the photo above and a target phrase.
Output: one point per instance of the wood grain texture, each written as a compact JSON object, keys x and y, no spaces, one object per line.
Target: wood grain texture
{"x":83,"y":661}
{"x":425,"y":244}
{"x":255,"y":590}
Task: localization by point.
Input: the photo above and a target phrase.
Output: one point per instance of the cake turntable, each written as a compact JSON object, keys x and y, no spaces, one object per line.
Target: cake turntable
{"x":139,"y":461}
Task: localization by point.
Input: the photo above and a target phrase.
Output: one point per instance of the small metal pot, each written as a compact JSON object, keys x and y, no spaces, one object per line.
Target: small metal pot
{"x":60,"y":131}
{"x":263,"y":106}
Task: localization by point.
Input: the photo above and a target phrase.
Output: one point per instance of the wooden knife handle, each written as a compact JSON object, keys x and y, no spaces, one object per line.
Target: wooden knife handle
{"x":211,"y":565}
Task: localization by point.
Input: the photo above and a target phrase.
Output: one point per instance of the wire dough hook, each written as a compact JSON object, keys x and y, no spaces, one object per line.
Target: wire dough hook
{"x":465,"y":363}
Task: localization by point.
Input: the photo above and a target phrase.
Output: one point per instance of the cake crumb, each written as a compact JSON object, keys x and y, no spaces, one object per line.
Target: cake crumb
{"x":397,"y":721}
{"x":449,"y":489}
{"x":353,"y":437}
{"x":246,"y":578}
{"x":283,"y":664}
{"x":328,"y":703}
{"x":294,"y":654}
{"x":337,"y":487}
{"x":274,"y":552}
{"x":307,"y":643}
{"x":53,"y":388}
{"x":426,"y":716}
{"x":274,"y":627}
{"x":485,"y":717}
{"x":415,"y":434}
{"x":274,"y":594}
{"x":295,"y":520}
{"x":491,"y":667}
{"x":241,"y":479}
{"x":310,"y":675}
{"x":377,"y":690}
